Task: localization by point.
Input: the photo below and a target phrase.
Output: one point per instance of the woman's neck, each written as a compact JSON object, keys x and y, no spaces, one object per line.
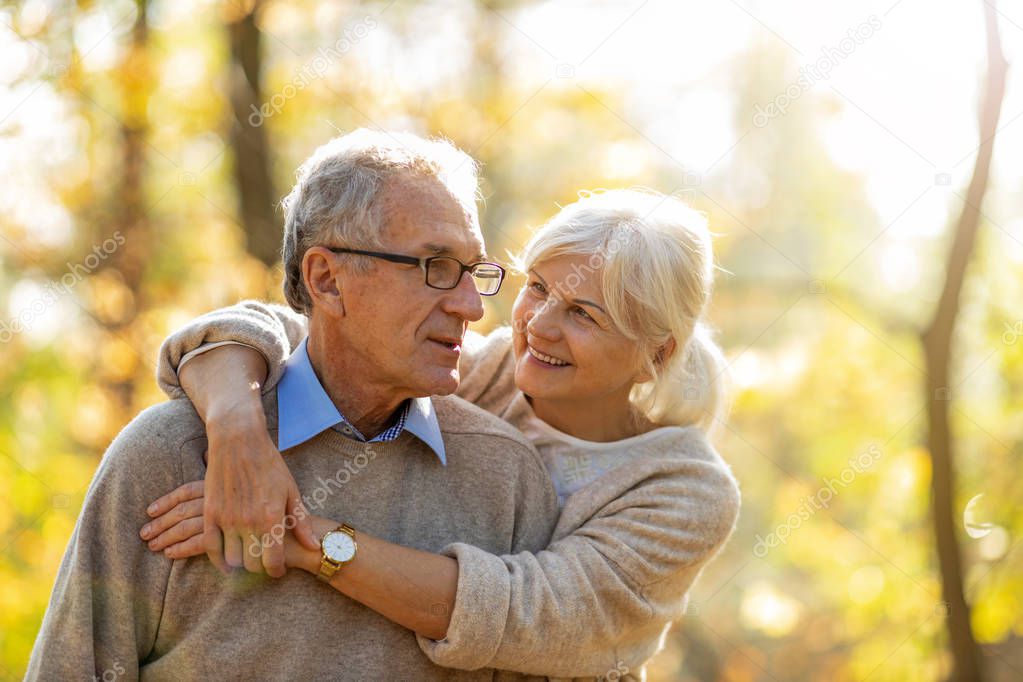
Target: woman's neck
{"x":602,"y":421}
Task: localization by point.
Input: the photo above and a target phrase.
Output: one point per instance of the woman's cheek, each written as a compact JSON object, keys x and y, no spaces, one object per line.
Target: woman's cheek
{"x":519,"y":320}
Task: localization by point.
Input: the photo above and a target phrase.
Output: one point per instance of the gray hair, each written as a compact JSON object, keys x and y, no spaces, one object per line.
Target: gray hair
{"x":334,"y":201}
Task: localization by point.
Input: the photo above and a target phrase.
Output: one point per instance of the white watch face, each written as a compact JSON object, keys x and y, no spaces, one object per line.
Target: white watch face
{"x":338,"y":546}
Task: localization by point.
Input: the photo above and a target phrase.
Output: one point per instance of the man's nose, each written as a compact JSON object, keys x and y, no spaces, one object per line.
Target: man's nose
{"x":465,"y":300}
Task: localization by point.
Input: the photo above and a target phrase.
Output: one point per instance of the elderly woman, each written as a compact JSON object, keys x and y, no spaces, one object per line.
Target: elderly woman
{"x":608,"y":369}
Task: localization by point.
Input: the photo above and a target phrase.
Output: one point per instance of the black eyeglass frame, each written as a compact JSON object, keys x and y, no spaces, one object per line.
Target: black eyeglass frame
{"x":424,"y":263}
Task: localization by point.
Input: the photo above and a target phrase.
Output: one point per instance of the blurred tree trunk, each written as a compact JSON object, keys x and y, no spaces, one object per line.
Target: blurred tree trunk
{"x":118,"y":312}
{"x":937,"y":342}
{"x":256,"y":196}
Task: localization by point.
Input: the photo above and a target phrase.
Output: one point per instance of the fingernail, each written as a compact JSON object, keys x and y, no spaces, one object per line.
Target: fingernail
{"x":145,"y":530}
{"x":151,"y":509}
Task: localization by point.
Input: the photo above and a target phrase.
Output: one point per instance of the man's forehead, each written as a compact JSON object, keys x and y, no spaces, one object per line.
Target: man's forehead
{"x":423,"y":214}
{"x":429,"y":236}
{"x":473,"y":249}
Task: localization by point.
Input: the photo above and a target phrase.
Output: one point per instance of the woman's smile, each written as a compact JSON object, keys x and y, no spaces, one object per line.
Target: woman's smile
{"x":545,"y":359}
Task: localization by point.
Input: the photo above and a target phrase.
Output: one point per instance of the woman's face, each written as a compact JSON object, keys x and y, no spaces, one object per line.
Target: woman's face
{"x":565,"y":346}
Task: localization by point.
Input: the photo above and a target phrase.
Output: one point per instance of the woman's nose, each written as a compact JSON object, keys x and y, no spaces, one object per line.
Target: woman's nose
{"x":540,"y":322}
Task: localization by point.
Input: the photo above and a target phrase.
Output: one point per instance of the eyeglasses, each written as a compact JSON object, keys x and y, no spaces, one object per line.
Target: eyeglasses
{"x":443,"y":272}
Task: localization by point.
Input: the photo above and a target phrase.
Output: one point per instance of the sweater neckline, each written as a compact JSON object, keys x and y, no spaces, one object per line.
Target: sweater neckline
{"x":338,"y":442}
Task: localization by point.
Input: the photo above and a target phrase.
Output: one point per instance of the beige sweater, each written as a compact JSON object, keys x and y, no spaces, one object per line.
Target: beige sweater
{"x":119,"y":611}
{"x":627,"y":548}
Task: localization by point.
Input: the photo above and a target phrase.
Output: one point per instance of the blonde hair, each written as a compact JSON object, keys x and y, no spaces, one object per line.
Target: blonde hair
{"x":653,"y":255}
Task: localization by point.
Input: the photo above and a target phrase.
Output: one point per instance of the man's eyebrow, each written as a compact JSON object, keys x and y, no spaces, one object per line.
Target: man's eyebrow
{"x":438,"y":249}
{"x":442,"y":250}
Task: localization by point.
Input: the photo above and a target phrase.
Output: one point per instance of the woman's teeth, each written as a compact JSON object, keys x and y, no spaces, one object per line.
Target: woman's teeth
{"x":545,"y":358}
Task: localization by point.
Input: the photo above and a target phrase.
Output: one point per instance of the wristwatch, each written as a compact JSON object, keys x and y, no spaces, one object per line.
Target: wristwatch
{"x":337,"y":549}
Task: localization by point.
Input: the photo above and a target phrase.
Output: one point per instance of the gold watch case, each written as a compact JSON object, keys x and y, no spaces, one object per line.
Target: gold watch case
{"x":337,"y":548}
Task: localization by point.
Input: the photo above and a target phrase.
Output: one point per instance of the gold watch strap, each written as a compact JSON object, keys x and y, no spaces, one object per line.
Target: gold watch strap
{"x":329,"y":567}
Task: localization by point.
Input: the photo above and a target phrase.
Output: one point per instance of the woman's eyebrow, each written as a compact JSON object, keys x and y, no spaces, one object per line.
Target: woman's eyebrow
{"x":583,"y":301}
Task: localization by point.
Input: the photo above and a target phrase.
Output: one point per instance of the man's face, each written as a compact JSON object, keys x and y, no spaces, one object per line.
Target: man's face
{"x":409,"y":335}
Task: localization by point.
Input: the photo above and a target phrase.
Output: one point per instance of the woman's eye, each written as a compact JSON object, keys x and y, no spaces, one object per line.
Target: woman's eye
{"x":538,"y":288}
{"x":583,"y":314}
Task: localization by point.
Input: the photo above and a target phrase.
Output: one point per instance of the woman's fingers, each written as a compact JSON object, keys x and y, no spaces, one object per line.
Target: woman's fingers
{"x":303,"y":521}
{"x":188,"y":510}
{"x":179,"y":532}
{"x":183,"y":493}
{"x":193,"y":546}
{"x":233,"y":550}
{"x":213,"y":545}
{"x":253,"y":557}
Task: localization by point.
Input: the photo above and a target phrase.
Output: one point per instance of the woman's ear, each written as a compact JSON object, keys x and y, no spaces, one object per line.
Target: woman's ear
{"x":323,"y":276}
{"x":660,"y":359}
{"x":665,"y":353}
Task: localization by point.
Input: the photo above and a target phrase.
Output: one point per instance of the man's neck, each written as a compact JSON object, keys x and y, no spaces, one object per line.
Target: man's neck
{"x":366,"y":405}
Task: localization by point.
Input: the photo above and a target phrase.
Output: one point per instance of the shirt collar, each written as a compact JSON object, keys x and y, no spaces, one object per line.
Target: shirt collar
{"x":305,"y":410}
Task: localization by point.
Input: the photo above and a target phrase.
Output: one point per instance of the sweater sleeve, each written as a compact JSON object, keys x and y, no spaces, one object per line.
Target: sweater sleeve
{"x":570,"y":610}
{"x":274,"y":330}
{"x":107,"y":601}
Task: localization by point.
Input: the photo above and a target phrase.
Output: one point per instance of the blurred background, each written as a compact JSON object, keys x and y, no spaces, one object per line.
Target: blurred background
{"x":144,"y":145}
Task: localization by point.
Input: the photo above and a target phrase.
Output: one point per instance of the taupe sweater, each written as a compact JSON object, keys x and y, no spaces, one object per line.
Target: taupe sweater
{"x":626,"y":550}
{"x":123,"y":611}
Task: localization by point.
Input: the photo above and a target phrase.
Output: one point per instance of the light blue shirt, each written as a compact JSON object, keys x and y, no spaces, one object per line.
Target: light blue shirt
{"x":305,"y":410}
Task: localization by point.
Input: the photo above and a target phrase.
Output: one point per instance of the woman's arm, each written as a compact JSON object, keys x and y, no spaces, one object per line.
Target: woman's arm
{"x":412,"y":588}
{"x":273,"y":330}
{"x":601,"y":596}
{"x":250,"y":489}
{"x":592,"y":602}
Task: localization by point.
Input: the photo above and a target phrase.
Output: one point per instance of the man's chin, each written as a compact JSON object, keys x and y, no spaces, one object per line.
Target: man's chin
{"x":442,"y":383}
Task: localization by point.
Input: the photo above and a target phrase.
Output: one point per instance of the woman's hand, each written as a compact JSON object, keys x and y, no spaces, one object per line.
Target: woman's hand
{"x":297,"y":555}
{"x":177,"y":530}
{"x":249,"y":489}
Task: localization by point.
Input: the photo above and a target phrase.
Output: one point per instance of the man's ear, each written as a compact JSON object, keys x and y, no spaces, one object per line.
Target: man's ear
{"x":323,"y":277}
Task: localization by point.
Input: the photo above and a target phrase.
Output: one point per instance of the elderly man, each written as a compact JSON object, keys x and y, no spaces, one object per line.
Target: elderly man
{"x":383,"y":252}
